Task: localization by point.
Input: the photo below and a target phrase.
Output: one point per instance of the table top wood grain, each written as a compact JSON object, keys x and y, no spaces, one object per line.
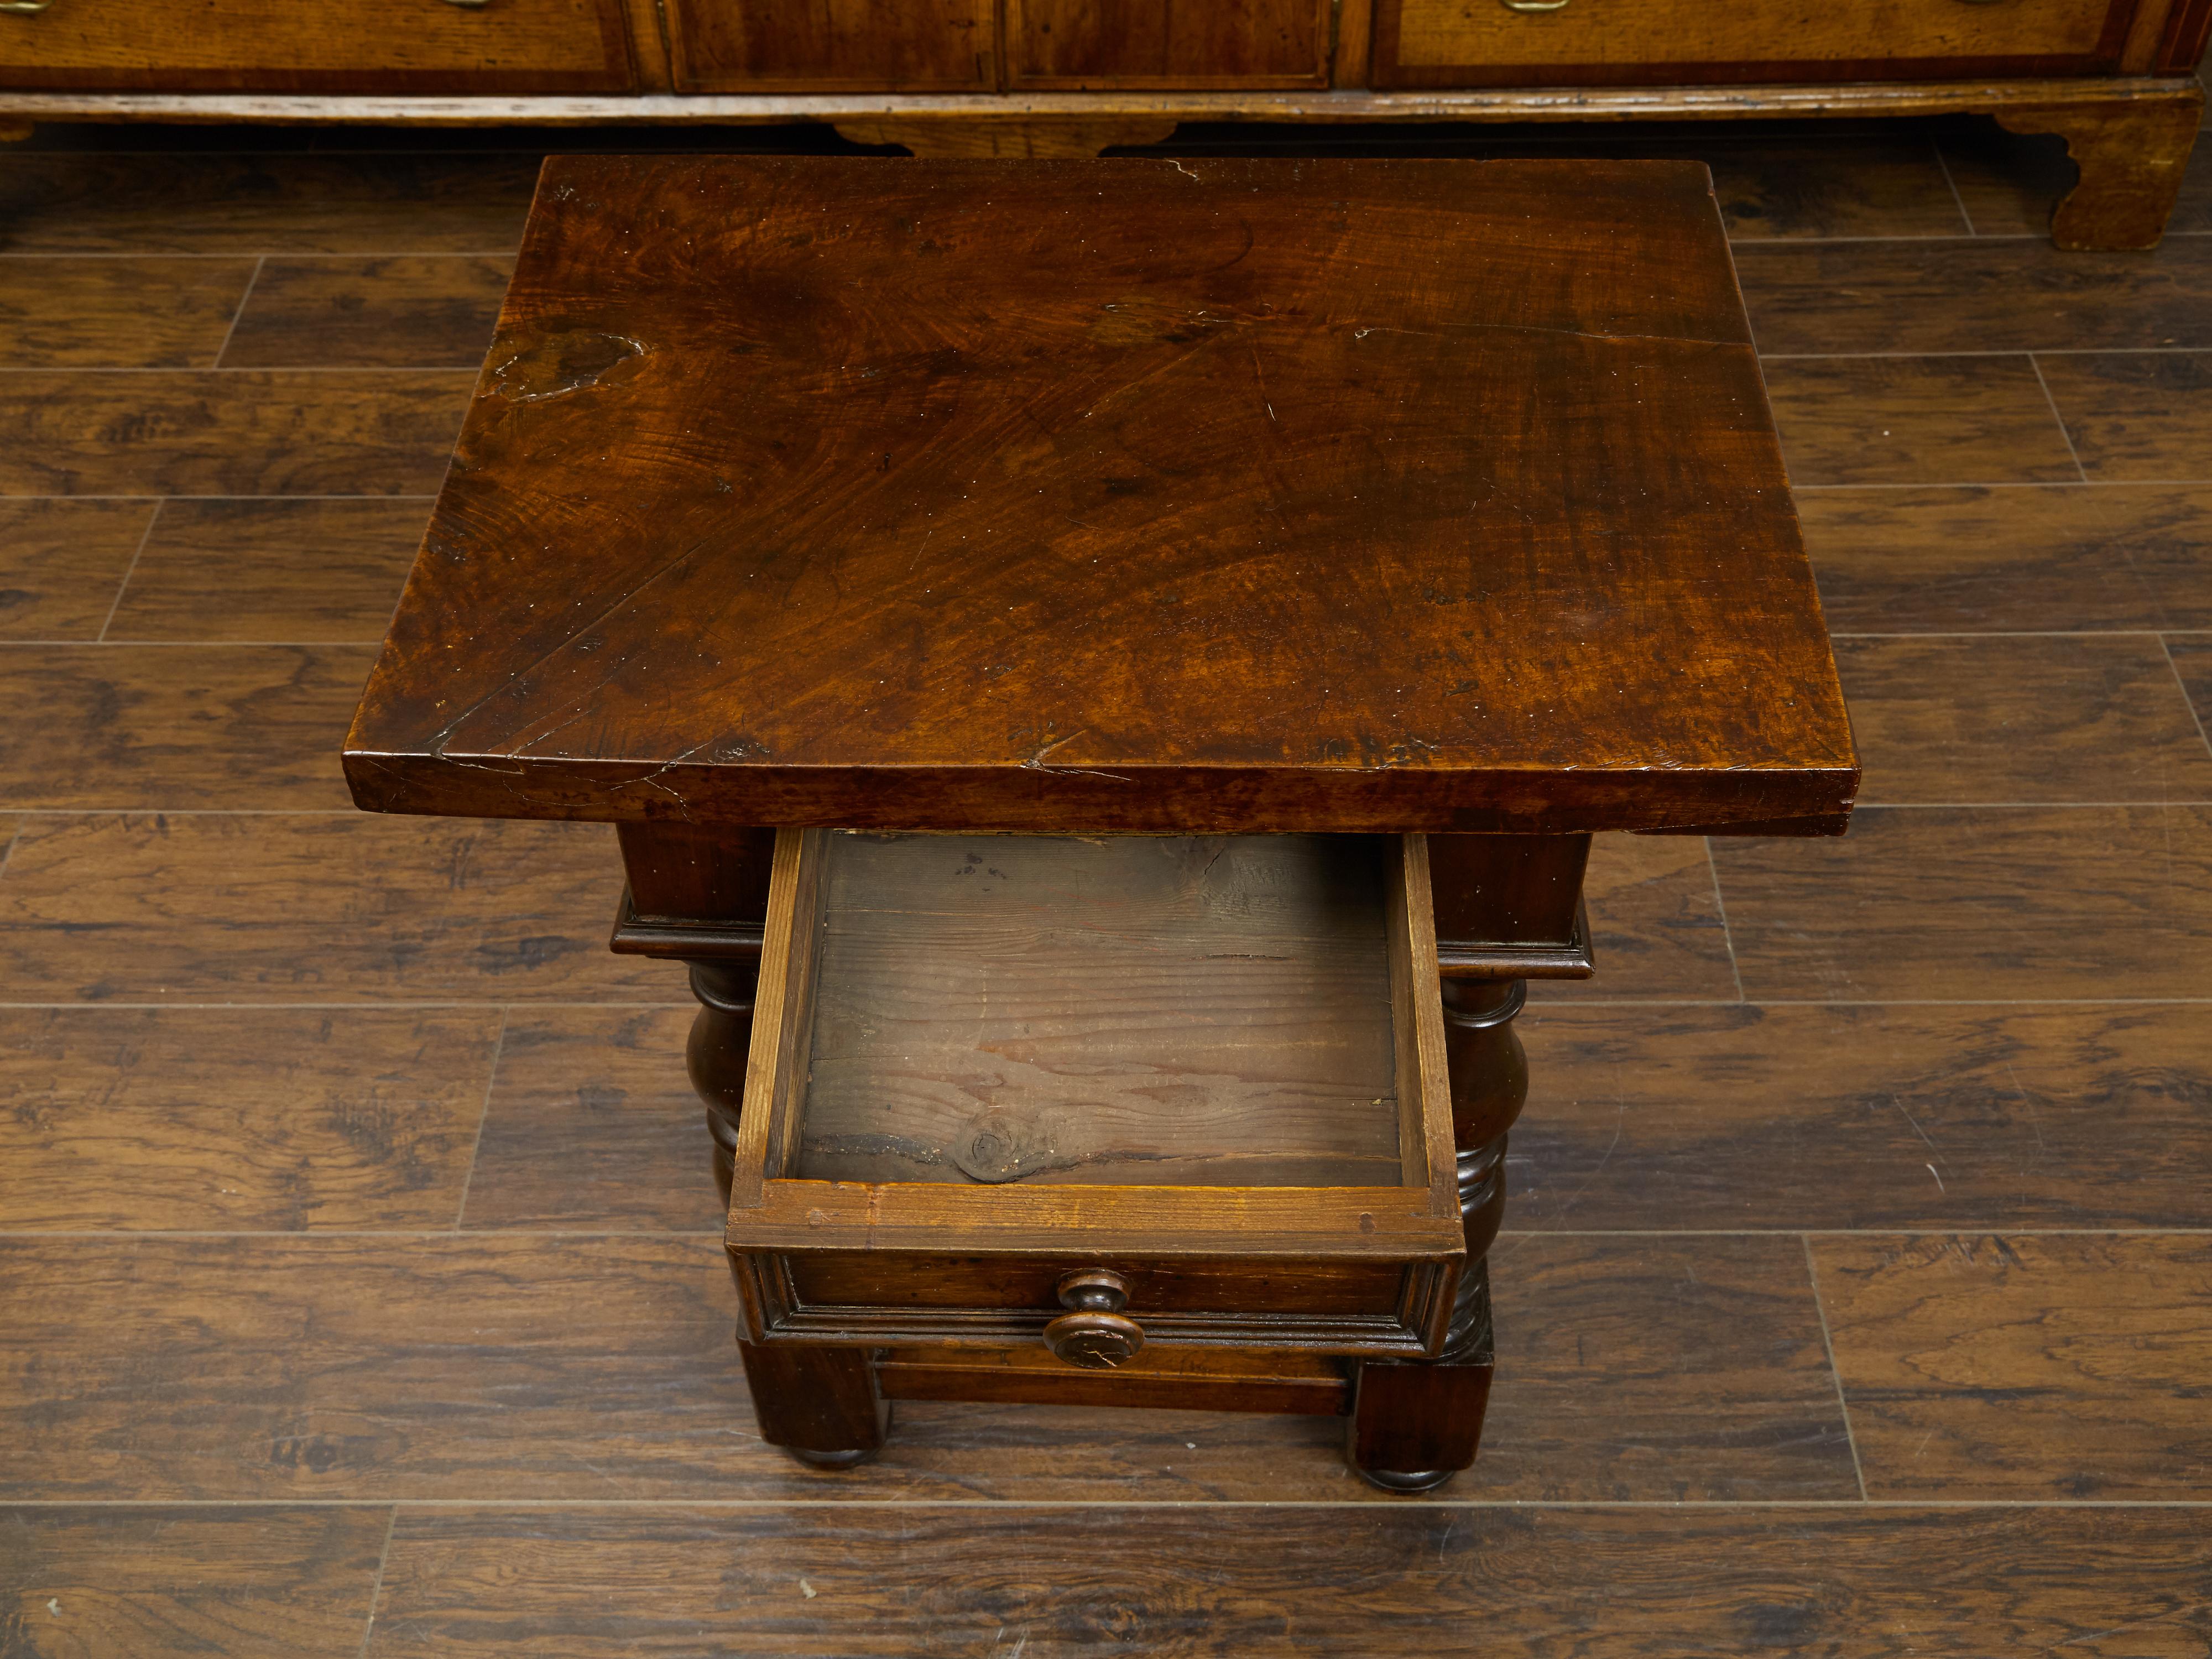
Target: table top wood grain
{"x":1206,"y":495}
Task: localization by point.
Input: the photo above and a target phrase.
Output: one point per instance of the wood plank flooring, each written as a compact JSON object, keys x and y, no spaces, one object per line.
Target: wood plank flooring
{"x":1412,"y":1578}
{"x":360,"y":1291}
{"x":321,"y":572}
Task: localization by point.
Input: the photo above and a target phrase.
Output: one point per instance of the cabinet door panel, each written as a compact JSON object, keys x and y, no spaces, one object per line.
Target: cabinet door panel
{"x":834,"y":45}
{"x":1065,"y":44}
{"x":1438,"y":43}
{"x":331,"y":45}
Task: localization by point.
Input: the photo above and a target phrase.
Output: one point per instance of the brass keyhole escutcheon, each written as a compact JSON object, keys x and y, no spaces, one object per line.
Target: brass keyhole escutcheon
{"x":1092,"y":1334}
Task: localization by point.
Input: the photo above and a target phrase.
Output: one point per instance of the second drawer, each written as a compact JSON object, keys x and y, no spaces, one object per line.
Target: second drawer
{"x":1071,"y":44}
{"x":339,"y":46}
{"x":1442,"y":43}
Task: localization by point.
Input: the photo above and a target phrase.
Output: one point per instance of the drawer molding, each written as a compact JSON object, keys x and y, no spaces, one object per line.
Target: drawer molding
{"x":1418,"y":1327}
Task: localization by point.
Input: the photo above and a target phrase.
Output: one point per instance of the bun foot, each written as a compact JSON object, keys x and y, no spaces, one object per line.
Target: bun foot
{"x":1415,"y":1424}
{"x":818,"y":1403}
{"x":1397,"y":1481}
{"x":833,"y":1460}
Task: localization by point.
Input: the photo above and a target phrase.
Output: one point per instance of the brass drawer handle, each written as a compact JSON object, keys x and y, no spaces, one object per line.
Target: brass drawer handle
{"x":469,"y":5}
{"x":24,"y":8}
{"x":1093,"y":1334}
{"x":1534,"y":5}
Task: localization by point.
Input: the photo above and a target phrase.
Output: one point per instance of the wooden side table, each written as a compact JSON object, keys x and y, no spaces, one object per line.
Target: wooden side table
{"x":1363,"y":536}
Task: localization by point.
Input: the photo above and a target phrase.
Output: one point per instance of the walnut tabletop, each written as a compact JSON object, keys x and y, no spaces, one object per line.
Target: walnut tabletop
{"x":1196,"y":496}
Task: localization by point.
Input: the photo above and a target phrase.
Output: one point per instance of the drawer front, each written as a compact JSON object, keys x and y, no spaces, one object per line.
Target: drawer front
{"x":1069,"y":44}
{"x":1380,"y":1307}
{"x":834,"y":45}
{"x":331,"y":45}
{"x":1442,"y":43}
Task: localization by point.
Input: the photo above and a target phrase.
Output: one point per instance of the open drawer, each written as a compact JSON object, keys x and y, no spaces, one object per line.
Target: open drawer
{"x":1098,"y":1094}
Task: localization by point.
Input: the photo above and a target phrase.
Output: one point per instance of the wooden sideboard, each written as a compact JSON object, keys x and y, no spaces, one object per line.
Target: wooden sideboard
{"x":1061,"y":77}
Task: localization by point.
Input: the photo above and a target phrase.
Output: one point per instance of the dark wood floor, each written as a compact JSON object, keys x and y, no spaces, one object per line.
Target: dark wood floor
{"x":359,"y":1285}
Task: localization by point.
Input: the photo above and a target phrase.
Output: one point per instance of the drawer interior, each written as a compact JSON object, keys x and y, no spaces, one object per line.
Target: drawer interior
{"x":1137,"y":1011}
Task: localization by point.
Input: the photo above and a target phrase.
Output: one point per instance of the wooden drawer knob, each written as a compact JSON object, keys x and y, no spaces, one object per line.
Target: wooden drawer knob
{"x":1092,"y":1334}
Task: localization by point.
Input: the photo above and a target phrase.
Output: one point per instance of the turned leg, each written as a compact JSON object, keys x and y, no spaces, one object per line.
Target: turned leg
{"x":1415,"y":1426}
{"x":1508,"y":909}
{"x":819,"y":1403}
{"x":699,"y":895}
{"x":1489,"y":1085}
{"x":721,"y":1037}
{"x":2131,"y":153}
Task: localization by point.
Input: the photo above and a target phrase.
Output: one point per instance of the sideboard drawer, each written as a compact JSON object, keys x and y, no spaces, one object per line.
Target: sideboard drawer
{"x":1169,"y":1090}
{"x":834,"y":45}
{"x":1444,"y":43}
{"x":330,"y":45}
{"x":1070,"y":45}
